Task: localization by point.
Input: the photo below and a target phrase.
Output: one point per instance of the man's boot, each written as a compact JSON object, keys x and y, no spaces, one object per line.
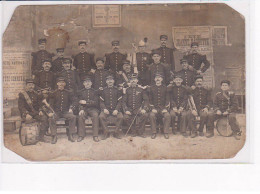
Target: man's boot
{"x":166,"y":136}
{"x":153,"y":136}
{"x":105,"y":135}
{"x":71,"y":138}
{"x":95,"y":138}
{"x":54,"y":139}
{"x":194,"y":134}
{"x":80,"y":138}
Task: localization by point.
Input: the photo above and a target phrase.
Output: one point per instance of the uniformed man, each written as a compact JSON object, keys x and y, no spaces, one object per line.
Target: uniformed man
{"x":111,"y":106}
{"x":178,"y":99}
{"x":63,"y":103}
{"x":72,"y":79}
{"x":39,"y":56}
{"x":197,"y":62}
{"x":225,"y":104}
{"x":114,"y":60}
{"x":29,"y":105}
{"x":143,"y":60}
{"x":167,"y":56}
{"x":57,"y":63}
{"x":89,"y":106}
{"x":84,"y":61}
{"x":123,"y":78}
{"x":135,"y":106}
{"x":45,"y":79}
{"x":99,"y":77}
{"x":203,"y":105}
{"x":158,"y":67}
{"x":159,"y":104}
{"x":187,"y":75}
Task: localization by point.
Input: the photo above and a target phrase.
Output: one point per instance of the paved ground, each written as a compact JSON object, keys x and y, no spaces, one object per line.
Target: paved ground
{"x":176,"y":147}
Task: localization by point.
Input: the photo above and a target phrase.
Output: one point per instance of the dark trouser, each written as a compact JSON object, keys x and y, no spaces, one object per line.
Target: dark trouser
{"x":185,"y":122}
{"x":103,"y":121}
{"x":166,"y":121}
{"x":231,"y":119}
{"x":93,"y":113}
{"x":142,"y":118}
{"x":142,"y":78}
{"x":43,"y":124}
{"x":67,"y":115}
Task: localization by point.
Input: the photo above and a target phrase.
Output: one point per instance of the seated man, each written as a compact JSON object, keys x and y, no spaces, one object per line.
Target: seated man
{"x":110,"y":105}
{"x":29,"y":105}
{"x":203,"y":103}
{"x":225,"y":104}
{"x":178,"y":99}
{"x":63,"y":102}
{"x":159,"y":103}
{"x":123,"y":77}
{"x":135,"y":105}
{"x":89,"y":104}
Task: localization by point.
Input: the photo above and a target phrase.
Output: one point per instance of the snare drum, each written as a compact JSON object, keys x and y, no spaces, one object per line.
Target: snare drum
{"x":223,"y":127}
{"x":29,"y":133}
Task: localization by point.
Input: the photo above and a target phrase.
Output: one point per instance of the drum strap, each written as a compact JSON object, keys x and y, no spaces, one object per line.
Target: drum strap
{"x":28,"y":100}
{"x":125,"y":77}
{"x":227,"y":97}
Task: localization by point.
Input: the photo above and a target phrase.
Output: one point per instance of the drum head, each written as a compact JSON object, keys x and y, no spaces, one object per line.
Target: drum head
{"x":223,"y":127}
{"x":22,"y":136}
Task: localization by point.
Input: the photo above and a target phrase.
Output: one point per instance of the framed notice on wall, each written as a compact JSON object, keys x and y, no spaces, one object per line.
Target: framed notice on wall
{"x":106,"y":16}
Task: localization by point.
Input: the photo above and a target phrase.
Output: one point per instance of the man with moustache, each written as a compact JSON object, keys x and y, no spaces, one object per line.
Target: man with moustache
{"x":159,"y":103}
{"x":84,"y":61}
{"x":123,"y":78}
{"x":197,"y":62}
{"x":39,"y":56}
{"x":57,"y":63}
{"x":114,"y":60}
{"x":187,"y":75}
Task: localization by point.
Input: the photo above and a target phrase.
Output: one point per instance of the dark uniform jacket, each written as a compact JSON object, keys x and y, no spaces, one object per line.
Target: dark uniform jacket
{"x":187,"y":76}
{"x":111,"y":99}
{"x":202,"y":98}
{"x":162,"y":69}
{"x":99,"y":78}
{"x":24,"y":107}
{"x":167,"y":57}
{"x":38,"y":58}
{"x":45,"y":79}
{"x":123,"y":79}
{"x":57,"y":65}
{"x":134,"y":99}
{"x":84,"y":62}
{"x":62,"y":100}
{"x":178,"y":96}
{"x":90,"y":96}
{"x":159,"y":98}
{"x":114,"y":61}
{"x":228,"y":103}
{"x":72,"y":79}
{"x":196,"y":60}
{"x":143,"y":60}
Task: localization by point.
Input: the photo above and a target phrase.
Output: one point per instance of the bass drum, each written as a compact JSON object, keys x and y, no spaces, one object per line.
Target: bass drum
{"x":29,"y":133}
{"x":223,"y":127}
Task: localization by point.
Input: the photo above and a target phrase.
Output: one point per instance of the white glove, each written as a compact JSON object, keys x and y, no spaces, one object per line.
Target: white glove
{"x":128,"y":113}
{"x":115,"y":112}
{"x":92,"y":70}
{"x":225,"y":113}
{"x":193,"y":87}
{"x":199,"y":72}
{"x":175,"y":109}
{"x":41,"y":113}
{"x":164,"y":111}
{"x":143,"y":111}
{"x":83,"y":102}
{"x":82,"y":112}
{"x":154,"y":111}
{"x":50,"y":114}
{"x":190,"y":68}
{"x":106,"y":111}
{"x":219,"y":112}
{"x":28,"y":117}
{"x":194,"y":113}
{"x":120,"y":72}
{"x":70,"y":110}
{"x":206,"y":110}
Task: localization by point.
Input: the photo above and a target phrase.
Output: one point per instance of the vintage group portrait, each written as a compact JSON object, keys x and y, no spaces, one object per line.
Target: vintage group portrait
{"x":124,"y":82}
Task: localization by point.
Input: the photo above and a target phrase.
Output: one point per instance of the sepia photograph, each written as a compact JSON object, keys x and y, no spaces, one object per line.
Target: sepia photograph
{"x":98,"y":82}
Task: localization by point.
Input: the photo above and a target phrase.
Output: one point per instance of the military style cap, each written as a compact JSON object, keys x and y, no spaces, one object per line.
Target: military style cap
{"x":87,"y":78}
{"x":61,"y":79}
{"x":194,"y":44}
{"x":115,"y":42}
{"x":60,"y":49}
{"x":100,"y":59}
{"x":225,"y":81}
{"x":46,"y":60}
{"x":27,"y":81}
{"x":164,"y":37}
{"x":42,"y":40}
{"x":110,"y":77}
{"x":198,"y":77}
{"x":82,"y":42}
{"x":183,"y":60}
{"x":67,"y":60}
{"x":134,"y":75}
{"x":156,"y":52}
{"x":159,"y":74}
{"x":177,"y":76}
{"x":141,"y":43}
{"x":126,"y":62}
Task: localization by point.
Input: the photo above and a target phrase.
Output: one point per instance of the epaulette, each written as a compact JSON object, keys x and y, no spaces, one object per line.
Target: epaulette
{"x":231,"y":92}
{"x":218,"y":93}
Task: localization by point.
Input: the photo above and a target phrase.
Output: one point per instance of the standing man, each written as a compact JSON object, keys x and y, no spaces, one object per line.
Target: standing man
{"x":135,"y":106}
{"x":166,"y":53}
{"x":84,"y":61}
{"x":39,"y":56}
{"x":111,"y":106}
{"x":187,"y":75}
{"x":89,"y":105}
{"x":57,"y":63}
{"x":158,"y":67}
{"x":143,"y":60}
{"x":63,"y":103}
{"x":114,"y":60}
{"x":178,"y":99}
{"x":159,"y":103}
{"x":29,"y":105}
{"x":203,"y":103}
{"x":225,"y":104}
{"x":100,"y":74}
{"x":197,"y":62}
